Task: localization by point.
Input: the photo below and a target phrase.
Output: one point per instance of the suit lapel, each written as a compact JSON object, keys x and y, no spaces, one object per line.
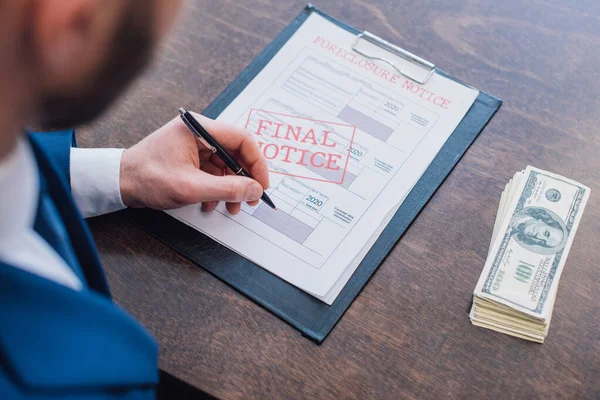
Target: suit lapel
{"x":53,"y":338}
{"x":80,"y":236}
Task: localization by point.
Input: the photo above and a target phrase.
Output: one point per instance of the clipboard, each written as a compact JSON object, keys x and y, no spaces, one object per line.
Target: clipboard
{"x":313,"y":318}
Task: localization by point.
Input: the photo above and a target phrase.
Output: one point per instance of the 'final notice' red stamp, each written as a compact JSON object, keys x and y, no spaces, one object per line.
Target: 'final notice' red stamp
{"x":294,"y":144}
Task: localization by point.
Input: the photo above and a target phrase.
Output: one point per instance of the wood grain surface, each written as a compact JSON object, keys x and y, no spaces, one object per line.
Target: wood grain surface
{"x":408,"y":334}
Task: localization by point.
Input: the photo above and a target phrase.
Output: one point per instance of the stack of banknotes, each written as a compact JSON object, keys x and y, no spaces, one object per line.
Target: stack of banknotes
{"x":537,"y":219}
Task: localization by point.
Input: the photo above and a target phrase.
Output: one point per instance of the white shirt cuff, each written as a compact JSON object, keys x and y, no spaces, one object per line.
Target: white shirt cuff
{"x":95,"y":180}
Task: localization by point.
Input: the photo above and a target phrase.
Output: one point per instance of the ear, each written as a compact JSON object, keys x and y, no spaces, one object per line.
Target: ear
{"x":71,"y":37}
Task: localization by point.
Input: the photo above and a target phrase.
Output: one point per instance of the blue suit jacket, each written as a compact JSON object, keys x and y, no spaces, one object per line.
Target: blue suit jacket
{"x":56,"y":343}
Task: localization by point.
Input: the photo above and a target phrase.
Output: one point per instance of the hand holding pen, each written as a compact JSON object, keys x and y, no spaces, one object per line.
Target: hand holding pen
{"x":171,"y":168}
{"x":220,"y":156}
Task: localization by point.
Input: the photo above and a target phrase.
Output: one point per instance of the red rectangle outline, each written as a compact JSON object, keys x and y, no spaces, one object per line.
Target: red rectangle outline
{"x":312,"y":120}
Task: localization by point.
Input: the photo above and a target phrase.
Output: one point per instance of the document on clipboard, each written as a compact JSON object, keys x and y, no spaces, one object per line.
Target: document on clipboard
{"x":348,"y":125}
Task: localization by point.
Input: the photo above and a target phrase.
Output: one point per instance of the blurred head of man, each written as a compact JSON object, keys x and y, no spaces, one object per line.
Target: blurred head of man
{"x":62,"y":62}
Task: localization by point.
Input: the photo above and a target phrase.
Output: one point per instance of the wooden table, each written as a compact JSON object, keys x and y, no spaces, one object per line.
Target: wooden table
{"x":408,"y":334}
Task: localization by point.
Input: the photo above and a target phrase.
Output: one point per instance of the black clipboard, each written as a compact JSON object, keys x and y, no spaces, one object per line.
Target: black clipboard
{"x":312,"y":317}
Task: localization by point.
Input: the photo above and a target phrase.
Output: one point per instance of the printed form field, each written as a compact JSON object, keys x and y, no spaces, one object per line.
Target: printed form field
{"x":391,"y":124}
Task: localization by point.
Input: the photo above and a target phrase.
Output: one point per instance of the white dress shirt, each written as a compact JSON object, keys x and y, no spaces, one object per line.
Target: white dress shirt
{"x":95,"y":188}
{"x":95,"y":180}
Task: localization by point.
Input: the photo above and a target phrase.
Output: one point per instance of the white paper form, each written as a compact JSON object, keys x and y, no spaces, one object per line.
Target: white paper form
{"x":346,"y":139}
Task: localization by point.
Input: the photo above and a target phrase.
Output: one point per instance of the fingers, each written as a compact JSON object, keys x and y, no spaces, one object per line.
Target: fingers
{"x":210,"y":168}
{"x":233,"y":208}
{"x":237,"y":140}
{"x":205,"y":187}
{"x":211,"y":186}
{"x":220,"y":170}
{"x":208,"y":206}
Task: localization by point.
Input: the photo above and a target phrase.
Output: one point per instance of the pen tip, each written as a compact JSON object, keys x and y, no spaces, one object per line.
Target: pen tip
{"x":275,"y":208}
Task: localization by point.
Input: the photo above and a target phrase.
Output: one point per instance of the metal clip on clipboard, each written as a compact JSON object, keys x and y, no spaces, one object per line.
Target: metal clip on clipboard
{"x":376,"y":40}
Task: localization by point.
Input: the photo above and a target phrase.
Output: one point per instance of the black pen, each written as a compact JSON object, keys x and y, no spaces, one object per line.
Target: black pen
{"x":216,"y":148}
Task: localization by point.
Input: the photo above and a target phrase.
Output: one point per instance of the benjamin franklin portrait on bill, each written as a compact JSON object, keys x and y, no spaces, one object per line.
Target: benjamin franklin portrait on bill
{"x":539,"y":230}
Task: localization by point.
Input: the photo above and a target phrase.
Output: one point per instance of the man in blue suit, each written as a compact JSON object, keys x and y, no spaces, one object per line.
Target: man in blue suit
{"x":61,"y":63}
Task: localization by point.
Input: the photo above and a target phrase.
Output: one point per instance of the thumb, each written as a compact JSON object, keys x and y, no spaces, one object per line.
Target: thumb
{"x":230,"y":188}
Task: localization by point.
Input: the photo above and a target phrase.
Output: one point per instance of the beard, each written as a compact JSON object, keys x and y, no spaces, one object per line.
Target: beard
{"x":130,"y":52}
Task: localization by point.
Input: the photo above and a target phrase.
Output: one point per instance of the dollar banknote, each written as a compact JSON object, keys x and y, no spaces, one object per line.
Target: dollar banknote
{"x":538,"y":215}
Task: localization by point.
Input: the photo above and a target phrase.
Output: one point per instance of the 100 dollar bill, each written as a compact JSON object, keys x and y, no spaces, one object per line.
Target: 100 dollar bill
{"x":530,"y":248}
